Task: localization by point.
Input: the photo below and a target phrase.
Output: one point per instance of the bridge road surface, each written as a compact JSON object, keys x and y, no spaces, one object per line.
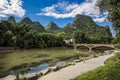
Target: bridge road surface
{"x":77,"y":69}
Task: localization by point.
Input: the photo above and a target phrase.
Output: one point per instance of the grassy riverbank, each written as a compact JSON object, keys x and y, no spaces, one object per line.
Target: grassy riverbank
{"x":110,"y":71}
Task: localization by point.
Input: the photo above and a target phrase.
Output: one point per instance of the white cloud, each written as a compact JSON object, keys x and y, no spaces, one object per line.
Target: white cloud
{"x":11,"y":7}
{"x":65,"y":10}
{"x":100,"y":19}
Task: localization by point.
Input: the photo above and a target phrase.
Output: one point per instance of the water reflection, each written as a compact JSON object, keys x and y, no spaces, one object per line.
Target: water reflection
{"x":39,"y":68}
{"x":45,"y":65}
{"x":60,"y":63}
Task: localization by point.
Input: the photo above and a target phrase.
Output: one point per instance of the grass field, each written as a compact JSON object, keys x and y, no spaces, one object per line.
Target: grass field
{"x":22,"y":60}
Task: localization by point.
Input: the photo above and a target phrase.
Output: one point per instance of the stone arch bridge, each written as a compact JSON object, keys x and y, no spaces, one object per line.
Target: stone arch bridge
{"x":91,"y":46}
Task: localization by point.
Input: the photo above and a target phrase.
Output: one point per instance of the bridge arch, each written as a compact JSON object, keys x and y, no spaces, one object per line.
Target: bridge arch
{"x":92,"y":46}
{"x":82,"y":47}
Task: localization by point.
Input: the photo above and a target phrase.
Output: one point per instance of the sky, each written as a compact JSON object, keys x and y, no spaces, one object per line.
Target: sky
{"x":59,"y":11}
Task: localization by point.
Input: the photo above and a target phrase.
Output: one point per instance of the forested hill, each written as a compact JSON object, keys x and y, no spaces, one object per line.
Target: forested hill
{"x":81,"y":22}
{"x":29,"y":34}
{"x":33,"y":25}
{"x":52,"y":27}
{"x":88,"y":26}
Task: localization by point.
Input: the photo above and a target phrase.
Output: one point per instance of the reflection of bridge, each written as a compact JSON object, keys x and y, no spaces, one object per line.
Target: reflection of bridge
{"x":91,"y":46}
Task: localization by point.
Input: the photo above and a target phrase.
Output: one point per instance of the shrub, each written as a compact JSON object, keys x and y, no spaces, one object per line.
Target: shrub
{"x":23,"y":78}
{"x":117,"y":45}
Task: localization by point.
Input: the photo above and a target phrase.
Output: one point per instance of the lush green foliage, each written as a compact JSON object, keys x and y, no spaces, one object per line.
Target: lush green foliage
{"x":117,"y":41}
{"x":28,"y":34}
{"x":20,"y":35}
{"x":110,"y":71}
{"x":82,"y":37}
{"x":113,"y":9}
{"x":85,"y":26}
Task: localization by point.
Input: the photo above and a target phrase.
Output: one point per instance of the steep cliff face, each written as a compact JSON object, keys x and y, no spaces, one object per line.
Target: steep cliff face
{"x":82,"y":21}
{"x":86,"y":24}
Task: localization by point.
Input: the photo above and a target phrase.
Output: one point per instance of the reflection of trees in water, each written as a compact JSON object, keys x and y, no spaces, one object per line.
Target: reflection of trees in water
{"x":101,"y":49}
{"x":83,"y":48}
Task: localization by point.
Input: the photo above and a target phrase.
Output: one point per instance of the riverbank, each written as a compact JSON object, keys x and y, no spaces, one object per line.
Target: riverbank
{"x":22,"y":60}
{"x":77,"y":69}
{"x":74,"y":70}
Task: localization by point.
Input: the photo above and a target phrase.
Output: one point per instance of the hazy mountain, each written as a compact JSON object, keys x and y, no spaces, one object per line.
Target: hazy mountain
{"x":26,"y":20}
{"x":80,"y":22}
{"x":33,"y":25}
{"x":11,"y":19}
{"x":37,"y":26}
{"x":51,"y":27}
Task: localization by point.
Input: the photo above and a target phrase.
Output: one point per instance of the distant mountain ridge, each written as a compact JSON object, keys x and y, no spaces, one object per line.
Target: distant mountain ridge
{"x":80,"y":22}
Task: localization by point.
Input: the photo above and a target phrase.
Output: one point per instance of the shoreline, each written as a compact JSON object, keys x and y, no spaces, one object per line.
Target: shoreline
{"x":60,"y":69}
{"x":71,"y":72}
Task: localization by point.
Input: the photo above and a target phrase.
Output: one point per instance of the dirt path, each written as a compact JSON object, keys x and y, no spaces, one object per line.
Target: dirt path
{"x":9,"y":77}
{"x":77,"y":69}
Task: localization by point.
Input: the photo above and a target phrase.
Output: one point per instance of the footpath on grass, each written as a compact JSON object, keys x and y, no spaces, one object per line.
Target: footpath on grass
{"x":77,"y":69}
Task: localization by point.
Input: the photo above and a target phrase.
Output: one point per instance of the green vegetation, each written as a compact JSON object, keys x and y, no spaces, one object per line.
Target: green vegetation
{"x":117,"y":41}
{"x":110,"y":71}
{"x":113,"y":9}
{"x":33,"y":25}
{"x":28,"y":34}
{"x":20,"y":35}
{"x":82,"y":37}
{"x":85,"y":30}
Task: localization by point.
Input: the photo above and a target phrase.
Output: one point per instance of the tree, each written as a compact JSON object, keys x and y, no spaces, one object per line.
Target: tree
{"x":80,"y":37}
{"x":61,"y":34}
{"x":113,"y":9}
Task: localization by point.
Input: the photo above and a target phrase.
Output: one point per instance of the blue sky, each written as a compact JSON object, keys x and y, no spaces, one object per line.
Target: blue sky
{"x":59,"y":11}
